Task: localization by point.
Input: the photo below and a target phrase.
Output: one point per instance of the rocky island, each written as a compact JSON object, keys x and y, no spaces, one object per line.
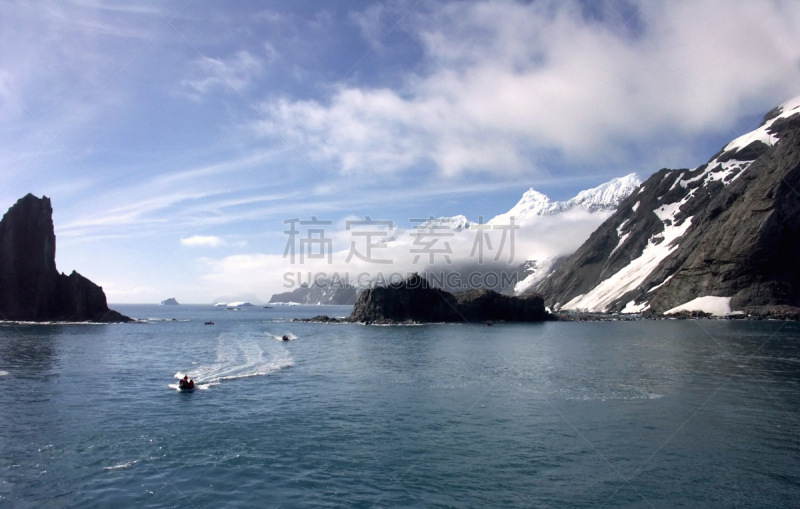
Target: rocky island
{"x":415,"y":301}
{"x":31,"y":288}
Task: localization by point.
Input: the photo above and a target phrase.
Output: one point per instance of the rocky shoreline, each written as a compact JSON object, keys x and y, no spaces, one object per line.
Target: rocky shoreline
{"x":754,"y":313}
{"x":414,"y":301}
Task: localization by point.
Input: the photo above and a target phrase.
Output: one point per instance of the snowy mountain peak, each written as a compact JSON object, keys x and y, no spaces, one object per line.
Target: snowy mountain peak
{"x":603,"y":197}
{"x":533,"y":203}
{"x":533,"y":198}
{"x":607,"y":196}
{"x":455,"y":223}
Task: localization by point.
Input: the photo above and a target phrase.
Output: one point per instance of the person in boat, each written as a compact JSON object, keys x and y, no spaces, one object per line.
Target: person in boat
{"x":285,"y":337}
{"x":185,"y":383}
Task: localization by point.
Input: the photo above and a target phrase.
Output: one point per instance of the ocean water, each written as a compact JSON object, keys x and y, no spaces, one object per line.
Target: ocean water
{"x":611,"y":414}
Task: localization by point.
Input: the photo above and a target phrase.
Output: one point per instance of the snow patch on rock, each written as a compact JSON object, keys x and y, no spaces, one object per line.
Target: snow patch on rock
{"x":717,"y":306}
{"x":788,"y":109}
{"x":543,"y":268}
{"x":632,"y":307}
{"x":632,"y":275}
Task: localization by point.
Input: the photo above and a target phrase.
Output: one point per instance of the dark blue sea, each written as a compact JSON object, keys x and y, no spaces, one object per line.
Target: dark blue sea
{"x":697,"y":413}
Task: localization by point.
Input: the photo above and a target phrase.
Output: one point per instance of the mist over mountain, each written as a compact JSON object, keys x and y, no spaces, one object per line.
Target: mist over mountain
{"x":506,"y":262}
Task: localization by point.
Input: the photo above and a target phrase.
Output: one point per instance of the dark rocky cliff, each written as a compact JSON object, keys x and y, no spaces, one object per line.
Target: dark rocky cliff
{"x":746,"y":244}
{"x":31,"y":287}
{"x":413,"y":300}
{"x":728,"y":228}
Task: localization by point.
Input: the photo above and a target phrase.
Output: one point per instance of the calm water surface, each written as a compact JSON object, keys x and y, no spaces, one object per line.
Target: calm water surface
{"x":615,"y":414}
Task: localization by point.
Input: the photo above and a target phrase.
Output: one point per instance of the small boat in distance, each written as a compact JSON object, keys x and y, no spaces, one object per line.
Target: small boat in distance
{"x":185,"y":384}
{"x":209,"y":323}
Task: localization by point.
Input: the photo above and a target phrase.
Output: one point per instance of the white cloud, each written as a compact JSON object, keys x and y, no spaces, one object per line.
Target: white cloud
{"x":202,"y":241}
{"x":236,"y":73}
{"x":508,"y":79}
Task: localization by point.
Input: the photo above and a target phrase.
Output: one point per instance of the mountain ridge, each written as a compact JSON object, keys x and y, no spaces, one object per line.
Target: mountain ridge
{"x":724,"y":229}
{"x":606,"y":196}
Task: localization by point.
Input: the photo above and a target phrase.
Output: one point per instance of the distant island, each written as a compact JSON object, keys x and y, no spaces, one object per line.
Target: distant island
{"x":333,"y":293}
{"x":416,"y":301}
{"x":31,"y":288}
{"x":170,"y":302}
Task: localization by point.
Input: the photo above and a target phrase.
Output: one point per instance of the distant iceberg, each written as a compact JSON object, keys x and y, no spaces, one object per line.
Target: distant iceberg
{"x":240,"y":305}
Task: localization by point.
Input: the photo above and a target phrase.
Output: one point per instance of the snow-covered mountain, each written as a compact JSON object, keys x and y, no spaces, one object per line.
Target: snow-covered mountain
{"x":455,"y":223}
{"x":606,"y":196}
{"x":719,"y":237}
{"x":541,"y":245}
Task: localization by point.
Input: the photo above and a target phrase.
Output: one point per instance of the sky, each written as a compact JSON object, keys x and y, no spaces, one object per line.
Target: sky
{"x":174,"y":138}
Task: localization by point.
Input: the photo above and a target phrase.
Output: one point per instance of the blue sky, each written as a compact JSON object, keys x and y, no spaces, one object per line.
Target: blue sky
{"x":174,"y":138}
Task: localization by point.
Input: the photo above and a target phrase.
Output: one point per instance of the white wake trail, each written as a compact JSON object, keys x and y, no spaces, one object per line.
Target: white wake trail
{"x":237,"y":359}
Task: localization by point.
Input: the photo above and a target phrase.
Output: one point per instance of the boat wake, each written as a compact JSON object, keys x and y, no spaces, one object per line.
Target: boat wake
{"x":234,"y":361}
{"x":122,"y":465}
{"x":279,"y":337}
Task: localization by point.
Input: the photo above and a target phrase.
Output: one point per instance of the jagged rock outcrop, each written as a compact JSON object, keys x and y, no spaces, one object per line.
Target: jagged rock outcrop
{"x":333,"y":293}
{"x":413,"y":300}
{"x":728,"y":229}
{"x":31,"y":288}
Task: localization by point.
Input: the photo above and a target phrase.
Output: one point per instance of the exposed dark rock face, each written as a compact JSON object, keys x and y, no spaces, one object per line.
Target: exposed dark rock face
{"x":333,"y":293}
{"x":414,"y":300}
{"x":31,"y":288}
{"x":487,"y":305}
{"x":739,"y":235}
{"x":772,"y":312}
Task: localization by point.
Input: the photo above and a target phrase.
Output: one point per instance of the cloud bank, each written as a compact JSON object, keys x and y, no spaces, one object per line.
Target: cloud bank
{"x":503,"y":80}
